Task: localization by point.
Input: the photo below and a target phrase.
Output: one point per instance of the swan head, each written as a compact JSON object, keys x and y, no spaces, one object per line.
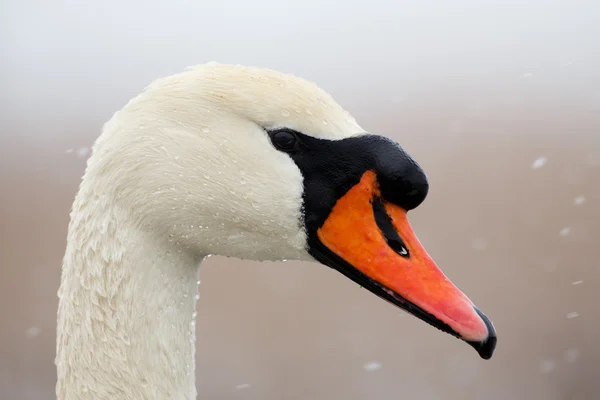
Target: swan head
{"x":256,"y":164}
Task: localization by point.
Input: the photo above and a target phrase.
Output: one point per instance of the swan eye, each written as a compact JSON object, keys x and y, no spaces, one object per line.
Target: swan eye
{"x":284,"y":140}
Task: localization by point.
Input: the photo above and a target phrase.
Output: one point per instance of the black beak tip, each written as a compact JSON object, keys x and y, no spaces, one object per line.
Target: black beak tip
{"x":486,"y":348}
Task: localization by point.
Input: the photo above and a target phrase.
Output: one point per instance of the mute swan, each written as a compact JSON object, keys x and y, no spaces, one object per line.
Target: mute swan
{"x":242,"y":162}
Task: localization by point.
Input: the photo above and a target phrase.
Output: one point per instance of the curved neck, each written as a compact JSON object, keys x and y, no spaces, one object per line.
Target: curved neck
{"x":126,"y":316}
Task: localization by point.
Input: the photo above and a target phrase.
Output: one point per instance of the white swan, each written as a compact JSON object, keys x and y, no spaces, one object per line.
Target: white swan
{"x":242,"y":162}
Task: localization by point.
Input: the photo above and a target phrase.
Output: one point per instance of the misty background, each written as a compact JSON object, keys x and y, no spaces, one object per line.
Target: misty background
{"x":499,"y":101}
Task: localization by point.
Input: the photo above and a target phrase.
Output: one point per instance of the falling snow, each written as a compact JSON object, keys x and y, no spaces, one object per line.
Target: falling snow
{"x":372,"y":366}
{"x":565,"y":231}
{"x":577,"y":283}
{"x":32,"y":332}
{"x":579,"y":200}
{"x":539,"y":162}
{"x":571,"y":355}
{"x":547,"y":366}
{"x":572,"y":315}
{"x":242,"y":386}
{"x":479,"y":244}
{"x":83,"y":152}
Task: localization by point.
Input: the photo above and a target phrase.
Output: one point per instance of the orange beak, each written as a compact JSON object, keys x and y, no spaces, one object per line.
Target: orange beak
{"x":378,"y":249}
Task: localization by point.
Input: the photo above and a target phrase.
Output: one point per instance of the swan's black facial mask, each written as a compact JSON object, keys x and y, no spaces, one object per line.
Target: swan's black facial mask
{"x":357,"y":192}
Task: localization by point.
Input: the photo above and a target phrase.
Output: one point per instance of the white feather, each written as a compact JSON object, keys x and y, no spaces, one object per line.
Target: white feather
{"x":185,"y":169}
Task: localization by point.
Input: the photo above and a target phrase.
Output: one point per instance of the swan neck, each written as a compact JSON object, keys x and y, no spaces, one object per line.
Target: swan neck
{"x":127,"y":307}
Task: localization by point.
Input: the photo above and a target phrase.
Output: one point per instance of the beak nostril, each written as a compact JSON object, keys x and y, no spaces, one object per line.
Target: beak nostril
{"x":386,"y":227}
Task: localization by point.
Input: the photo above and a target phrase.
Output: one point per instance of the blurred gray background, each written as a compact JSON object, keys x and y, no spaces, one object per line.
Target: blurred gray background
{"x":498,"y":100}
